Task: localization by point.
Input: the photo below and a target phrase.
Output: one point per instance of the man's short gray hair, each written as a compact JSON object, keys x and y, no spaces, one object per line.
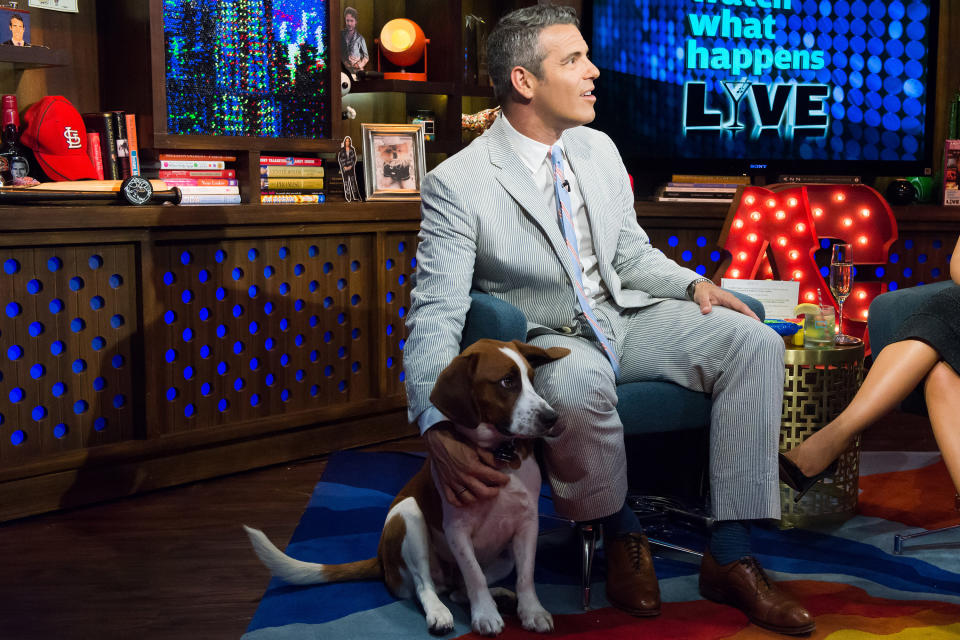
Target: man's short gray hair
{"x":515,"y":42}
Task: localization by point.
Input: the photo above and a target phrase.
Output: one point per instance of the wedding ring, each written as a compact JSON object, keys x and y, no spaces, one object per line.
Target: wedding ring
{"x":461,"y":490}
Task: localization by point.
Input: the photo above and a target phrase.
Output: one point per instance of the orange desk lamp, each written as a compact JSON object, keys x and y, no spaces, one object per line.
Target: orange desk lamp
{"x":402,"y":43}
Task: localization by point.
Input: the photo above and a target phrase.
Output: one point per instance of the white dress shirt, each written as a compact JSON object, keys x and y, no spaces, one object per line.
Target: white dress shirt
{"x":536,"y":157}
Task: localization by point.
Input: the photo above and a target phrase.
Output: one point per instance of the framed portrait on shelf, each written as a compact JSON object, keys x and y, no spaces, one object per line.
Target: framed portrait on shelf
{"x":393,"y":161}
{"x":14,"y":27}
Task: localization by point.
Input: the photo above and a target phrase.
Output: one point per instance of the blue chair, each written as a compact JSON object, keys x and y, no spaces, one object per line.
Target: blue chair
{"x":887,"y":312}
{"x":652,"y":412}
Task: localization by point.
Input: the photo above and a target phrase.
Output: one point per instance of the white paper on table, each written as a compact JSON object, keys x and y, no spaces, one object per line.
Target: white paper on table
{"x":55,"y":5}
{"x":779,"y":297}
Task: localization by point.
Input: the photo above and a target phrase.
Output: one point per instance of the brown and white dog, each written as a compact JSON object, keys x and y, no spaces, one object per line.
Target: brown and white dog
{"x":429,"y":546}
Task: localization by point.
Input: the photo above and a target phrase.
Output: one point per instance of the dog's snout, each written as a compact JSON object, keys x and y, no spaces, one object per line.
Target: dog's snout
{"x":549,"y":418}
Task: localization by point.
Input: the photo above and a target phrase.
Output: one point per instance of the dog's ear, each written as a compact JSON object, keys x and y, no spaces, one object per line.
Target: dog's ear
{"x":453,"y":392}
{"x":537,"y":356}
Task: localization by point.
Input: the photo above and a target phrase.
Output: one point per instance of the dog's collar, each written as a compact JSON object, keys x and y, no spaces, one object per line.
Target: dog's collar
{"x":506,"y":452}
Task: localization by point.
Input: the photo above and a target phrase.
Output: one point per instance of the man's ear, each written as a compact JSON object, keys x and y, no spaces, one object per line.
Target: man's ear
{"x":522,"y":81}
{"x":453,"y":392}
{"x":537,"y":356}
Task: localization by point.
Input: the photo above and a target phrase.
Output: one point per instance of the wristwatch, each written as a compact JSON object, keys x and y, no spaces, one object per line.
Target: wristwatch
{"x":692,"y":287}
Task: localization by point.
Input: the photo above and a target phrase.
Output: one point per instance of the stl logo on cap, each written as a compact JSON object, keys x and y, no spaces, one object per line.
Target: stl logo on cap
{"x":56,"y":133}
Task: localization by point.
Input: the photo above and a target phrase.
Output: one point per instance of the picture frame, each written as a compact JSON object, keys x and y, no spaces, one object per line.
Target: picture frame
{"x":393,"y":161}
{"x":7,"y":35}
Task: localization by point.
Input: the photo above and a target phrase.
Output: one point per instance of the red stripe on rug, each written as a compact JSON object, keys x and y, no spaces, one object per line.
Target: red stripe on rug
{"x":918,"y":497}
{"x":834,"y":606}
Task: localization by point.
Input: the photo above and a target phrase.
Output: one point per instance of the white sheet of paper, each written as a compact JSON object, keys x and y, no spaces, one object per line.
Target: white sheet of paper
{"x":778,"y":297}
{"x":69,"y":6}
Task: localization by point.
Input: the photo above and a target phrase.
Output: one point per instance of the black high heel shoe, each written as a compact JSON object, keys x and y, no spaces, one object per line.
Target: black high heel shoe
{"x":791,"y":476}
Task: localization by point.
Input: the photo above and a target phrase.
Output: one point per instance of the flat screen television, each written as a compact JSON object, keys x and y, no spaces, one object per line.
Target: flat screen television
{"x":766,"y":87}
{"x":247,"y":68}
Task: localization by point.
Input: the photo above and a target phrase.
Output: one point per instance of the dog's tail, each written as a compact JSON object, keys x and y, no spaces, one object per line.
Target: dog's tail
{"x":295,"y":571}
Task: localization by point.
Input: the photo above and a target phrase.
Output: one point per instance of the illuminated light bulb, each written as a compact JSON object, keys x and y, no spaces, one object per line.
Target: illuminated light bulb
{"x":782,"y":241}
{"x":862,"y":239}
{"x":750,"y":199}
{"x":771,"y":203}
{"x":735,"y":273}
{"x":794,"y":254}
{"x":864,"y":314}
{"x":738,"y":223}
{"x":781,"y":215}
{"x":840,"y":197}
{"x":769,"y":271}
{"x":811,"y":296}
{"x":818,"y":212}
{"x":752,"y":237}
{"x":798,"y":275}
{"x":865,"y":213}
{"x":861,"y":294}
{"x":800,"y":227}
{"x":847,"y":222}
{"x":755,"y":216}
{"x":742,"y":255}
{"x":793,"y":202}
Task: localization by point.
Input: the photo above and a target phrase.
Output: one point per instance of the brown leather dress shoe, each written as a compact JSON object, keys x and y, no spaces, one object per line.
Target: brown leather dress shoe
{"x":631,"y":582}
{"x":744,"y":585}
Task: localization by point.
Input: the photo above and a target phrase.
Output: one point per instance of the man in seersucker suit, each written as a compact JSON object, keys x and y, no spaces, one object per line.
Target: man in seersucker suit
{"x":539,"y":212}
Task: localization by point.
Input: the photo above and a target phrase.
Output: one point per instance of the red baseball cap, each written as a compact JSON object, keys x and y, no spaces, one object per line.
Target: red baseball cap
{"x":58,"y":138}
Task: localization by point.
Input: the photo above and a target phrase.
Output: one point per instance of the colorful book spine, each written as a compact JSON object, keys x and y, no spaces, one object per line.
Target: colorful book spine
{"x":286,"y":171}
{"x":292,"y":161}
{"x":210,"y":198}
{"x":133,"y":144}
{"x":102,"y":123}
{"x":196,"y":156}
{"x":205,"y":190}
{"x":951,"y":173}
{"x":180,"y":173}
{"x":191,"y":164}
{"x":201,"y":182}
{"x":93,"y":150}
{"x":292,"y":198}
{"x":123,"y":145}
{"x":291,"y":183}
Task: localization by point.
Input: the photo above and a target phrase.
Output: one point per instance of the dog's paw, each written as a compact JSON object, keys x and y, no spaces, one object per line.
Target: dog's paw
{"x":486,"y":622}
{"x":439,"y":620}
{"x":536,"y":619}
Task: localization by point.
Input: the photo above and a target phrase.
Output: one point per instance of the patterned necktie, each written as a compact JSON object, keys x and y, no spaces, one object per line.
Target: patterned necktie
{"x":566,"y":226}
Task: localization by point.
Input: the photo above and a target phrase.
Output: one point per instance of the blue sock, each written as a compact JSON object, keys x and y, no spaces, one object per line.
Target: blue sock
{"x":730,"y":541}
{"x":623,"y":521}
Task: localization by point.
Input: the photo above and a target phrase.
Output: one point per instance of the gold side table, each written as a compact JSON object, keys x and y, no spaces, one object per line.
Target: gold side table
{"x":818,"y":384}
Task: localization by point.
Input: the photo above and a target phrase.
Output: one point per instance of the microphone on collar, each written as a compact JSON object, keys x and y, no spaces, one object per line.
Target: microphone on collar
{"x":566,"y":185}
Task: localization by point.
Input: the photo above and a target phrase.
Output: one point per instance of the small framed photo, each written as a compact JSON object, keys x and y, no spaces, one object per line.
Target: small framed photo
{"x":15,"y":27}
{"x":393,"y":161}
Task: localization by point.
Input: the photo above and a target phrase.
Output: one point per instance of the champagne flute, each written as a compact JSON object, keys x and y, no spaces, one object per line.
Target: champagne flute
{"x":841,"y":283}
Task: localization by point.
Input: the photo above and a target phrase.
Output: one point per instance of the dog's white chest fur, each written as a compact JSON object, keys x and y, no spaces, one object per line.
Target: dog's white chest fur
{"x":492,"y":524}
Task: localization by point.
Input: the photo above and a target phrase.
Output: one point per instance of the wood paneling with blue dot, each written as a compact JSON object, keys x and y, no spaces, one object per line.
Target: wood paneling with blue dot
{"x":253,"y":328}
{"x":65,"y":349}
{"x":399,"y":266}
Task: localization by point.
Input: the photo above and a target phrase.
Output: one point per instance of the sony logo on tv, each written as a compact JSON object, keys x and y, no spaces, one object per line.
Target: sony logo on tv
{"x":786,"y":106}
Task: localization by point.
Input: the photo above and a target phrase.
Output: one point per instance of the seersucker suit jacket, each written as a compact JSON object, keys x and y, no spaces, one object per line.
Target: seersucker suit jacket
{"x":486,"y":226}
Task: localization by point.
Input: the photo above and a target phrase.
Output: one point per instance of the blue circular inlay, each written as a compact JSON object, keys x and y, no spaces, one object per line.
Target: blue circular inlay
{"x":80,"y":406}
{"x":119,"y":401}
{"x":100,"y":424}
{"x":58,"y":389}
{"x":37,"y":371}
{"x":57,"y":347}
{"x":79,"y":365}
{"x":95,"y":262}
{"x":14,"y":309}
{"x":34,"y":287}
{"x":98,"y":343}
{"x":15,"y":352}
{"x":16,"y":395}
{"x":60,"y":431}
{"x":96,"y":303}
{"x":116,"y":280}
{"x":54,"y":264}
{"x":11,"y":266}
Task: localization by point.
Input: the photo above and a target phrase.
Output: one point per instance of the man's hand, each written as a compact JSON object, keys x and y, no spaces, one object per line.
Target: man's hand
{"x":466,"y":473}
{"x":707,"y":294}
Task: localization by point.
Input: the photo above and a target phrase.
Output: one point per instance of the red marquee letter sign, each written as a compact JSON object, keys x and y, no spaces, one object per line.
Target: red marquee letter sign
{"x":789,"y":220}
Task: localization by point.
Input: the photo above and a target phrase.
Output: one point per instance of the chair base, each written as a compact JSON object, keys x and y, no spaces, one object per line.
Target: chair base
{"x":646,"y":508}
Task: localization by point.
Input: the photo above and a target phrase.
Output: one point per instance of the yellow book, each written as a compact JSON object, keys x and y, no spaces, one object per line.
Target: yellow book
{"x":291,"y":183}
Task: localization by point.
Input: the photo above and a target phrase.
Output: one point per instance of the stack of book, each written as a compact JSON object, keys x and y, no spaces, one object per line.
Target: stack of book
{"x":201,"y":177}
{"x":291,"y":180}
{"x":707,"y":189}
{"x":112,"y":144}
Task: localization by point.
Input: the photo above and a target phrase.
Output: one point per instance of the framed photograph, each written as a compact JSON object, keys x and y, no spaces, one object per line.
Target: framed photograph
{"x":393,"y":161}
{"x":15,"y":29}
